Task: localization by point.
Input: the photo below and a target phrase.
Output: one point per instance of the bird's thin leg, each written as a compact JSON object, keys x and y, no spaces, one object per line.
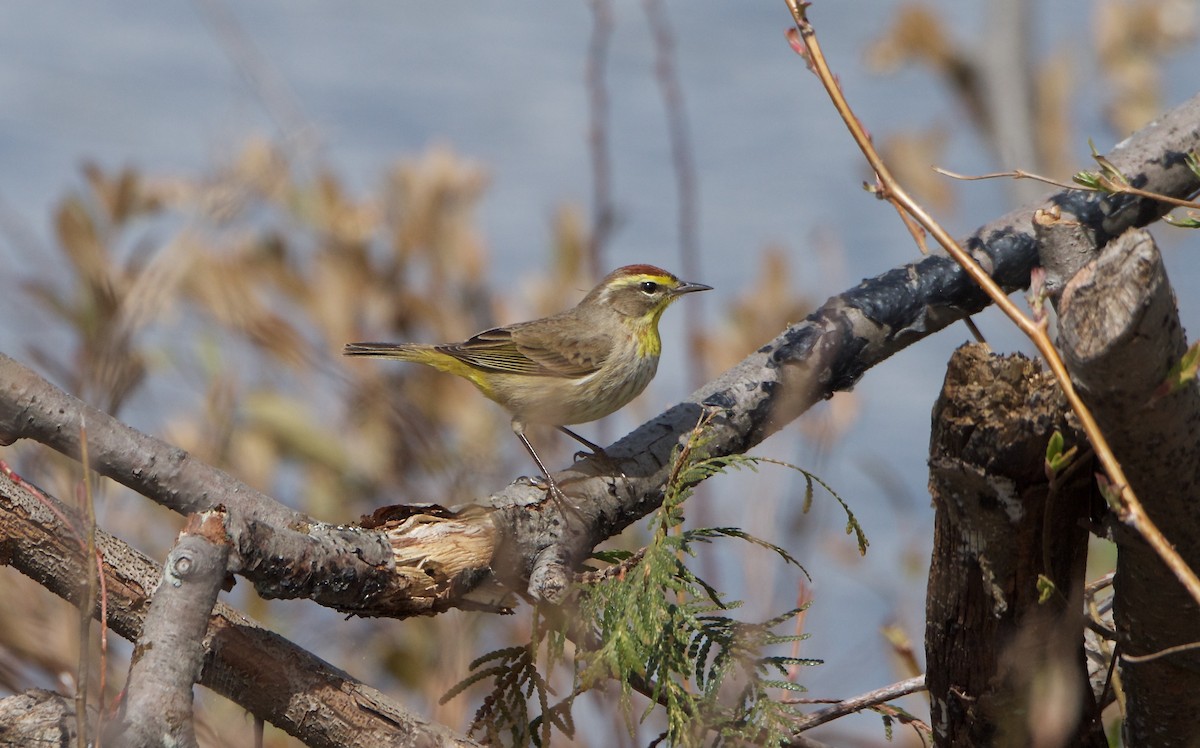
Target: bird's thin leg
{"x":552,"y":490}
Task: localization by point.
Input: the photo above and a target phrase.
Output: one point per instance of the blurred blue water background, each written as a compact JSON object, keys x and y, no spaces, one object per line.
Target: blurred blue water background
{"x":152,"y":85}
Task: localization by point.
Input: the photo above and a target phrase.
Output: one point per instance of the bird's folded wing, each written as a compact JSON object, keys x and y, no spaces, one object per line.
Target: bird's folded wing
{"x":524,"y":351}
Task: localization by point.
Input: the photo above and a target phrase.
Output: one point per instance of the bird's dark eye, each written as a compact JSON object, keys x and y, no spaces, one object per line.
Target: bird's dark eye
{"x":649,"y":287}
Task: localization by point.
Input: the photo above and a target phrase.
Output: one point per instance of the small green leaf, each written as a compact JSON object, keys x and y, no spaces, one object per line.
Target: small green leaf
{"x":1182,"y":373}
{"x":1056,"y":459}
{"x":1190,"y":221}
{"x":1046,"y":588}
{"x":1193,"y":162}
{"x":1109,"y":492}
{"x":1108,"y":179}
{"x":1112,"y":178}
{"x":1054,"y":446}
{"x":1089,"y":179}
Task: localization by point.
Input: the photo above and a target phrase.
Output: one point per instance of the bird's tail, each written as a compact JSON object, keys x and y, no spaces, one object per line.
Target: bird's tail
{"x":401,"y":351}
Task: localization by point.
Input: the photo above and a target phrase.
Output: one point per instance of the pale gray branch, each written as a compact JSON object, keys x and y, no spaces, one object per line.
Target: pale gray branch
{"x":157,"y":708}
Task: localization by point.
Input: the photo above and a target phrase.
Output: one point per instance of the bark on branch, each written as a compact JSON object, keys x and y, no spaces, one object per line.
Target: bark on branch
{"x":1001,"y":527}
{"x":284,"y":553}
{"x":36,"y":717}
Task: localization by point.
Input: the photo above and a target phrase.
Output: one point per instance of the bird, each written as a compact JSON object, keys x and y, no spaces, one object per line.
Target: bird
{"x":573,"y":367}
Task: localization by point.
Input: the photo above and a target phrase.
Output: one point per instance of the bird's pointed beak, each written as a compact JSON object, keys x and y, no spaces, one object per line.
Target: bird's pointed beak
{"x":686,"y":287}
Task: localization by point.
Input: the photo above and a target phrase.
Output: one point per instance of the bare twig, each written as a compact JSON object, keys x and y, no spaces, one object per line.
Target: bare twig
{"x":1099,"y":584}
{"x":1099,"y":622}
{"x":603,"y":213}
{"x":88,"y":601}
{"x":103,"y":590}
{"x":858,"y":703}
{"x":1129,"y":507}
{"x":1177,"y":649}
{"x":803,"y":598}
{"x":1110,"y":186}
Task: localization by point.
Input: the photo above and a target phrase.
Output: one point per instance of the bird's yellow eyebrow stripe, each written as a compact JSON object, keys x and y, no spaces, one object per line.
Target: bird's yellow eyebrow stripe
{"x":663,"y":280}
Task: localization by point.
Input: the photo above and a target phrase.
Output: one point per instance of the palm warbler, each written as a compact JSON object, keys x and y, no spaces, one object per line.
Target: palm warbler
{"x":572,"y":367}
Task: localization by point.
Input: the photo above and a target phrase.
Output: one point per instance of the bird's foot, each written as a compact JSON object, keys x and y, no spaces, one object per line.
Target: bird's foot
{"x":553,"y":492}
{"x":595,"y":452}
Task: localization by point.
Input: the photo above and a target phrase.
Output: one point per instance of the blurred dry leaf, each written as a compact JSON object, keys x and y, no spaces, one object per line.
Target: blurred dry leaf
{"x":122,"y":196}
{"x":911,"y":157}
{"x":918,"y":36}
{"x":235,"y":292}
{"x":1132,"y":38}
{"x":767,"y":306}
{"x":569,"y":279}
{"x":1054,"y":84}
{"x":79,"y":237}
{"x":107,"y":297}
{"x":431,"y":204}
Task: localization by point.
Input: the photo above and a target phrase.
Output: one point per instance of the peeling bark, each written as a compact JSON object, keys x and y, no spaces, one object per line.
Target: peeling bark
{"x":37,"y":717}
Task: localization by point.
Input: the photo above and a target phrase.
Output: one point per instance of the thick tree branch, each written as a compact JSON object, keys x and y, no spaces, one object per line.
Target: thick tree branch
{"x":263,"y":672}
{"x":37,"y":717}
{"x":1120,"y":334}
